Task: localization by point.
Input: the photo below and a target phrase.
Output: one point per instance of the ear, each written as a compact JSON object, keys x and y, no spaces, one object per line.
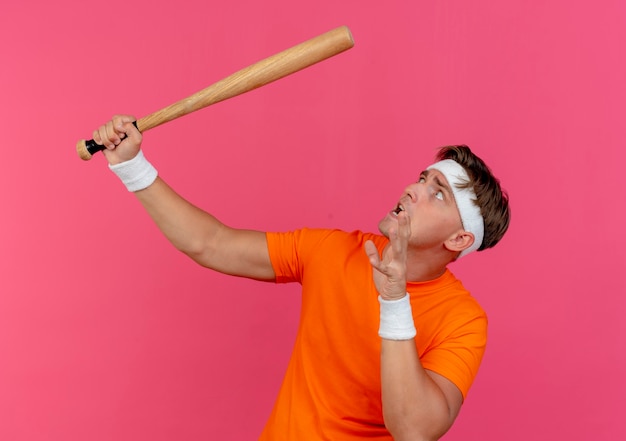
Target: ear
{"x":459,"y":241}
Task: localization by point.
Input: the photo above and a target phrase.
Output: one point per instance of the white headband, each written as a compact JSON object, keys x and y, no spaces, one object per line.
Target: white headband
{"x":471,"y":218}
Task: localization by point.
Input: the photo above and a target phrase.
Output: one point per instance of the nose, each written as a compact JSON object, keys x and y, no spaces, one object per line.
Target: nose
{"x":412,"y":191}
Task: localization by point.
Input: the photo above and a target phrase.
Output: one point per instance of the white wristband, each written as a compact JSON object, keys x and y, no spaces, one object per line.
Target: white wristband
{"x":136,"y":174}
{"x":396,"y":319}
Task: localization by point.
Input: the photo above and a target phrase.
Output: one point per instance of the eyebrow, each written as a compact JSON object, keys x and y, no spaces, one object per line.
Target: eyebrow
{"x":440,"y":183}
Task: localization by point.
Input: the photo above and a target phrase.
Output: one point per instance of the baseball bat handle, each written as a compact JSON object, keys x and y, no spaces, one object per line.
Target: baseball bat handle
{"x":249,"y":78}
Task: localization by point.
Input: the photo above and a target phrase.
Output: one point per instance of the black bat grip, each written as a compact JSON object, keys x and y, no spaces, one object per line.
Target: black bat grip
{"x":92,"y":147}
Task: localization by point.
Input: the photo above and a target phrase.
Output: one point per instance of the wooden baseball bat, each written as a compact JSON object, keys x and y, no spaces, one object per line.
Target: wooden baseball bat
{"x":256,"y":75}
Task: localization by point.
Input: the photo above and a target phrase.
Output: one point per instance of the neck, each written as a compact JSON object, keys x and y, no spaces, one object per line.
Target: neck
{"x":422,"y":266}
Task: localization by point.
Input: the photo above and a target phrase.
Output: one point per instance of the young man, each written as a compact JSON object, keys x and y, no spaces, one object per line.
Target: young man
{"x":389,"y":341}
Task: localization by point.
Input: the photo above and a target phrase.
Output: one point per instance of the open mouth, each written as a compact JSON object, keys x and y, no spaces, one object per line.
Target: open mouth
{"x":399,"y":208}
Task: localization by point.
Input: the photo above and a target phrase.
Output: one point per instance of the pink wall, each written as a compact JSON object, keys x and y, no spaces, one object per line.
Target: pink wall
{"x":107,"y":333}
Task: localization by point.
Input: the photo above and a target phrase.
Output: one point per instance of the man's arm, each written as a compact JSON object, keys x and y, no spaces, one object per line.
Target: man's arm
{"x":191,"y":230}
{"x":417,"y":404}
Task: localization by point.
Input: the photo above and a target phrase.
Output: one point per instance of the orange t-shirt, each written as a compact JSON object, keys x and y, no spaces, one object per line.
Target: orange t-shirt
{"x":331,"y":390}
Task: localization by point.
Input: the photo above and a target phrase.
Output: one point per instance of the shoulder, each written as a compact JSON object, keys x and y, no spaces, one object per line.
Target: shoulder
{"x":322,"y":237}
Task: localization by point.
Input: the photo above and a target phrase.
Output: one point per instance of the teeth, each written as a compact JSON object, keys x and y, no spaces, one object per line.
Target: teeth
{"x":398,"y":209}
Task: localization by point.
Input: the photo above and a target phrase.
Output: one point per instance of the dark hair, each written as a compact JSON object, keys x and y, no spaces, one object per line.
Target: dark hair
{"x":490,"y":198}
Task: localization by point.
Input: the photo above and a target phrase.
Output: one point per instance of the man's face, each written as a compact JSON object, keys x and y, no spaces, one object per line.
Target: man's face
{"x":431,"y":209}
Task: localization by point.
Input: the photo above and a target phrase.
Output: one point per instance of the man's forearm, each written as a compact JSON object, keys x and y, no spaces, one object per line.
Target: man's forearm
{"x":414,"y":406}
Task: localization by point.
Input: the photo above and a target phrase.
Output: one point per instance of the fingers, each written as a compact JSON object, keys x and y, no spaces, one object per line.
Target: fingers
{"x":388,"y":273}
{"x":115,"y":131}
{"x":385,"y":265}
{"x":130,"y":129}
{"x":107,"y":136}
{"x":399,"y":237}
{"x":372,"y":253}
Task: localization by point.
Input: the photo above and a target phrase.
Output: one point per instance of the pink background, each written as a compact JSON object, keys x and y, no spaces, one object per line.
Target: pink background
{"x":108,"y":333}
